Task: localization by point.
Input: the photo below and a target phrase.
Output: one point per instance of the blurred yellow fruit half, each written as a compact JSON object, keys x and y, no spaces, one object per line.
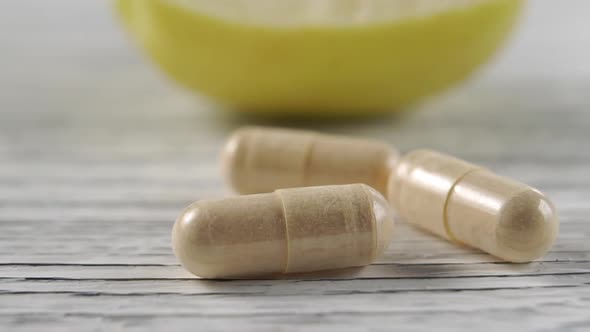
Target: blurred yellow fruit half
{"x":322,"y":56}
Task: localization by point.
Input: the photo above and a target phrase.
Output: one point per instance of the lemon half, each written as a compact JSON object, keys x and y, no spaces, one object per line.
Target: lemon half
{"x":329,"y":56}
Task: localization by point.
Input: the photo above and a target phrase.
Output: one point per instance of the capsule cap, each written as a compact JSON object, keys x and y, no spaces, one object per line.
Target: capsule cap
{"x":527,"y":227}
{"x":504,"y":217}
{"x":232,"y":237}
{"x":333,"y":226}
{"x":384,"y":221}
{"x":259,"y":160}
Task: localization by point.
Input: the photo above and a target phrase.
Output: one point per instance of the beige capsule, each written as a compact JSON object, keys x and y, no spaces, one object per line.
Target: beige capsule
{"x":287,"y":231}
{"x":259,"y":160}
{"x":471,"y":205}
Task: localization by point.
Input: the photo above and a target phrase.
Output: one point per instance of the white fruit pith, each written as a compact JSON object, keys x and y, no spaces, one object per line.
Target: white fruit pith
{"x":321,"y":12}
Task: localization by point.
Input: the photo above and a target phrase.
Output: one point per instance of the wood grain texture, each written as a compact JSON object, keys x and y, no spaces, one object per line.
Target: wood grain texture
{"x":99,"y":153}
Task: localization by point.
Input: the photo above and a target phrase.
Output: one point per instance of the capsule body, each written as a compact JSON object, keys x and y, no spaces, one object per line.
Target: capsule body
{"x":469,"y":204}
{"x":258,"y":160}
{"x":287,"y":231}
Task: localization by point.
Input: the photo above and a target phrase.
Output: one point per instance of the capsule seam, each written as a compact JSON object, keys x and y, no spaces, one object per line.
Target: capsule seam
{"x":447,"y":199}
{"x":376,"y":179}
{"x":384,"y":186}
{"x":307,"y":160}
{"x":286,"y":267}
{"x":374,"y":228}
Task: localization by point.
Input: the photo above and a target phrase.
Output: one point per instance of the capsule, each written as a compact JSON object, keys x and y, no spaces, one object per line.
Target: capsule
{"x":259,"y":160}
{"x":287,"y":231}
{"x":468,"y":204}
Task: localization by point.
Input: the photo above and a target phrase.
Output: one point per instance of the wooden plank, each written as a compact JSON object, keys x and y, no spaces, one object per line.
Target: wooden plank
{"x":375,"y":271}
{"x":290,"y":287}
{"x":219,"y":304}
{"x":538,"y":309}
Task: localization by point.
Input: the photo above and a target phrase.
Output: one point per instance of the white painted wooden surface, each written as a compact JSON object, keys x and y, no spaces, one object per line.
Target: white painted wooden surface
{"x":99,"y":152}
